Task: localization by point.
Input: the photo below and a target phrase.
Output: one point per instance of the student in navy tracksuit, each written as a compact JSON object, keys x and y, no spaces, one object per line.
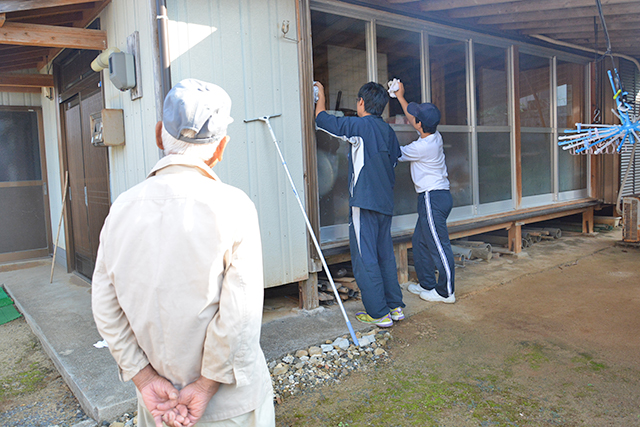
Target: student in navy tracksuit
{"x":431,"y":246}
{"x":373,"y":156}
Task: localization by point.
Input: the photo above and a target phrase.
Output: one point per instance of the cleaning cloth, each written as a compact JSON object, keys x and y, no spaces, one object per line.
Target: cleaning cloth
{"x":393,"y":86}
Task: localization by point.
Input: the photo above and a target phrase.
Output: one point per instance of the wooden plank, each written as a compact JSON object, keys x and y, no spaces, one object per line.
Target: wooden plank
{"x":553,"y":22}
{"x":26,"y":80}
{"x":308,"y":291}
{"x":587,"y":221}
{"x":515,"y":7}
{"x":517,"y":125}
{"x":3,"y":17}
{"x":569,"y":14}
{"x":515,"y":238}
{"x":473,"y":232}
{"x":435,"y":5}
{"x":402,"y":262}
{"x":17,"y":5}
{"x":52,"y":36}
{"x":51,"y":11}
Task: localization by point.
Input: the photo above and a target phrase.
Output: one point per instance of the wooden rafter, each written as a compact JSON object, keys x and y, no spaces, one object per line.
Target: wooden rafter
{"x":579,"y":12}
{"x":26,"y":80}
{"x":553,"y":22}
{"x":515,"y":7}
{"x":52,"y":36}
{"x":17,"y":5}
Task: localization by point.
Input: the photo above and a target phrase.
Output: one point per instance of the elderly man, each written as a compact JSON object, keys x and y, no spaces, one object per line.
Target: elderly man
{"x":178,"y":288}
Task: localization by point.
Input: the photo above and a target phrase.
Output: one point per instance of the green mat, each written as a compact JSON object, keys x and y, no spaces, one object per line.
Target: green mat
{"x":7,"y":311}
{"x":4,"y":298}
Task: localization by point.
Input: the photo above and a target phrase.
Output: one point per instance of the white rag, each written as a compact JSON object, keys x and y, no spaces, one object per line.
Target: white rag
{"x":101,"y":344}
{"x":393,"y":87}
{"x":315,"y":93}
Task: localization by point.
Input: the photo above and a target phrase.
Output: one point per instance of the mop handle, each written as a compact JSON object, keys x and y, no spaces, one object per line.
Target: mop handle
{"x":265,"y":119}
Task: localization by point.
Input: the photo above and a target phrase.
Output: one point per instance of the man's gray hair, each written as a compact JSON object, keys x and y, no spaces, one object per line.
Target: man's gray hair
{"x":176,"y":146}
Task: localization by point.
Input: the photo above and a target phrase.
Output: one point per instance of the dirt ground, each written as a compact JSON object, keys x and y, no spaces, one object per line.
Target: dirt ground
{"x":558,"y":347}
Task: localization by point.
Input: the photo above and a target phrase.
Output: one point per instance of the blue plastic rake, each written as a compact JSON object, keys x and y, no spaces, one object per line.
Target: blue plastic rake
{"x":597,"y":139}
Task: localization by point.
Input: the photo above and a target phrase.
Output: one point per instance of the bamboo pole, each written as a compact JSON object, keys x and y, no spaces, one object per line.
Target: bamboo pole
{"x":55,"y":246}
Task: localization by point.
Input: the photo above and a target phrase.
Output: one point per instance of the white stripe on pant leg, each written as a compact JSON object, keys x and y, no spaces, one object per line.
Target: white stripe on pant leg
{"x":355,"y":217}
{"x":436,"y":238}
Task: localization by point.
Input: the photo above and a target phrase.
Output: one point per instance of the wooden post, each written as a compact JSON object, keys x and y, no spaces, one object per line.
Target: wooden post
{"x":587,"y":220}
{"x":308,"y":292}
{"x":402,"y":262}
{"x":515,"y":238}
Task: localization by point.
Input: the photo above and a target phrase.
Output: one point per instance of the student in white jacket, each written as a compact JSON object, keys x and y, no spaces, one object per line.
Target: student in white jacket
{"x":431,"y":245}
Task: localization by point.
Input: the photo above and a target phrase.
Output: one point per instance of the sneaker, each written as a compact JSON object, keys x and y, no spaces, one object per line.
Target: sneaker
{"x":415,"y":288}
{"x":397,"y":314}
{"x":383,"y":322}
{"x":434,"y":296}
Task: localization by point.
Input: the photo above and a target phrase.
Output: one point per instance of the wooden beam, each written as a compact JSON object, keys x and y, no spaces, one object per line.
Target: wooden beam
{"x":555,"y":22}
{"x":26,"y":80}
{"x":52,"y":36}
{"x":52,"y":11}
{"x":436,"y":5}
{"x":529,"y":6}
{"x":578,"y":12}
{"x":16,"y":5}
{"x":571,"y":27}
{"x":3,"y":17}
{"x":308,"y":292}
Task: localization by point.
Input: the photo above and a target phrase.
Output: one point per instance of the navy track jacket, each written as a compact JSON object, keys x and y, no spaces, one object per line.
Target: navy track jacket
{"x":373,"y":156}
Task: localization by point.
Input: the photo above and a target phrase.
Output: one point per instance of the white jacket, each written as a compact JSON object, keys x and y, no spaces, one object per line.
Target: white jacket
{"x":178,"y":284}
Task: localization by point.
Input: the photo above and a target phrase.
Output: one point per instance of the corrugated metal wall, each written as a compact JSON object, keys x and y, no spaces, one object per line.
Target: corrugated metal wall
{"x":630,"y":77}
{"x":239,"y":46}
{"x":129,"y":164}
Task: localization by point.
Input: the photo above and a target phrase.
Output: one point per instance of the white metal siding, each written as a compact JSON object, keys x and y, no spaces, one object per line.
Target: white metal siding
{"x":130,"y":163}
{"x":239,"y":46}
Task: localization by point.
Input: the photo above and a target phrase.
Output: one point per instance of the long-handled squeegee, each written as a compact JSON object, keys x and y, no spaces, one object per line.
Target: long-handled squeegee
{"x":265,"y":119}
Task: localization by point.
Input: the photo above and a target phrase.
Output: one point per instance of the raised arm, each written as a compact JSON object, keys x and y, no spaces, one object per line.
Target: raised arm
{"x":404,"y":103}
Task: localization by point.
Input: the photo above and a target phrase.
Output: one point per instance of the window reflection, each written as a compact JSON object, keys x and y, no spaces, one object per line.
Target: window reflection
{"x":572,"y":169}
{"x":449,"y":79}
{"x":399,"y":57}
{"x":491,"y":85}
{"x":494,"y":166}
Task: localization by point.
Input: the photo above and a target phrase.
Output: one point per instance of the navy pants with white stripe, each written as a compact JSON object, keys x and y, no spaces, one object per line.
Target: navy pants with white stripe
{"x":373,"y":261}
{"x":431,"y":245}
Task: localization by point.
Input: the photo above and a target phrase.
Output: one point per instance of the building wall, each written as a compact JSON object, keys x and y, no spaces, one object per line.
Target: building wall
{"x":239,"y":46}
{"x":130,"y":163}
{"x":236,"y":45}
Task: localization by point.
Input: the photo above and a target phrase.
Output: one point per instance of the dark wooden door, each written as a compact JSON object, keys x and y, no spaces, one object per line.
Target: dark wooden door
{"x":88,"y":166}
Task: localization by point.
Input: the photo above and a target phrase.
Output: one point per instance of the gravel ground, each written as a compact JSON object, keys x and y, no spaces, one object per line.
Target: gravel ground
{"x":33,"y":394}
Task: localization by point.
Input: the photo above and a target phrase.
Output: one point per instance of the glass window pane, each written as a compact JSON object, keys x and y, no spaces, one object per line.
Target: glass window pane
{"x":333,"y":179}
{"x":491,"y":85}
{"x":458,"y":159}
{"x":404,"y":193}
{"x":572,"y":171}
{"x":449,"y":79}
{"x":534,"y":91}
{"x":339,"y":59}
{"x":19,"y":146}
{"x":399,"y":57}
{"x":494,"y":166}
{"x":570,"y":93}
{"x":340,"y":64}
{"x":536,"y":164}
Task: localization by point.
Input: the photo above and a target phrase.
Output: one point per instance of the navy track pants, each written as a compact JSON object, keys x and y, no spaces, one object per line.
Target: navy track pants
{"x":431,"y":245}
{"x":373,"y":261}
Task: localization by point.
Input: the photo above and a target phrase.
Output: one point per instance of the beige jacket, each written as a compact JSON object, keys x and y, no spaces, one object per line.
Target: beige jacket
{"x":178,"y":284}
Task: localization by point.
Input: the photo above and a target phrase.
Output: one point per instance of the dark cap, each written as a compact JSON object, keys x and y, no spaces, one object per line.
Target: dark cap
{"x":427,"y":113}
{"x":199,"y":106}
